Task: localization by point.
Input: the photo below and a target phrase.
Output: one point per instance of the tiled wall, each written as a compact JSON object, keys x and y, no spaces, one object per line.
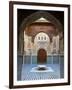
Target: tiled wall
{"x":50,"y":59}
{"x":62,"y":67}
{"x":19,"y":66}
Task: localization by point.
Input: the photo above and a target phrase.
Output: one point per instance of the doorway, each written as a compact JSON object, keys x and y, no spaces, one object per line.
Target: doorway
{"x":42,"y":56}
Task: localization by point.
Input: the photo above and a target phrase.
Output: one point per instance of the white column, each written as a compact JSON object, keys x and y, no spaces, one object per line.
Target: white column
{"x":57,"y":43}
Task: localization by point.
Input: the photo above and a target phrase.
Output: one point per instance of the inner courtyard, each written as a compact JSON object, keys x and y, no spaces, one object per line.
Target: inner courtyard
{"x":41,"y":48}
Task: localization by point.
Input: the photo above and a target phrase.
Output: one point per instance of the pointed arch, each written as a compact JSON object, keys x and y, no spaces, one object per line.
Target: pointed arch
{"x":31,"y":18}
{"x":37,"y":15}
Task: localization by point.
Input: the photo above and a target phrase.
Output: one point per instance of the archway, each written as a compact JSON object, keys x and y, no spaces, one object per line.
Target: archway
{"x":29,"y":20}
{"x":41,"y":56}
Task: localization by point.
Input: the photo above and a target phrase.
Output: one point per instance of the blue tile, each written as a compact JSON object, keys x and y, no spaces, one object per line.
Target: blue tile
{"x":62,"y":66}
{"x":23,"y":71}
{"x":27,"y":59}
{"x":19,"y":66}
{"x":55,"y":59}
{"x":34,"y":59}
{"x":49,"y":60}
{"x":61,"y":59}
{"x":27,"y":75}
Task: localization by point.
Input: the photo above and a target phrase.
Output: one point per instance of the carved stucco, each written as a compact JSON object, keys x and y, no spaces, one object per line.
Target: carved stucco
{"x":30,"y":19}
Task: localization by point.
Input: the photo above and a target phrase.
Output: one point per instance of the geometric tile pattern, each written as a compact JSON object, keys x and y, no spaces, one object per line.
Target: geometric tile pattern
{"x":26,"y":73}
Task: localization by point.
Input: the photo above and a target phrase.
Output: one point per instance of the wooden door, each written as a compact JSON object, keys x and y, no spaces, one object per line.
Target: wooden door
{"x":42,"y":56}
